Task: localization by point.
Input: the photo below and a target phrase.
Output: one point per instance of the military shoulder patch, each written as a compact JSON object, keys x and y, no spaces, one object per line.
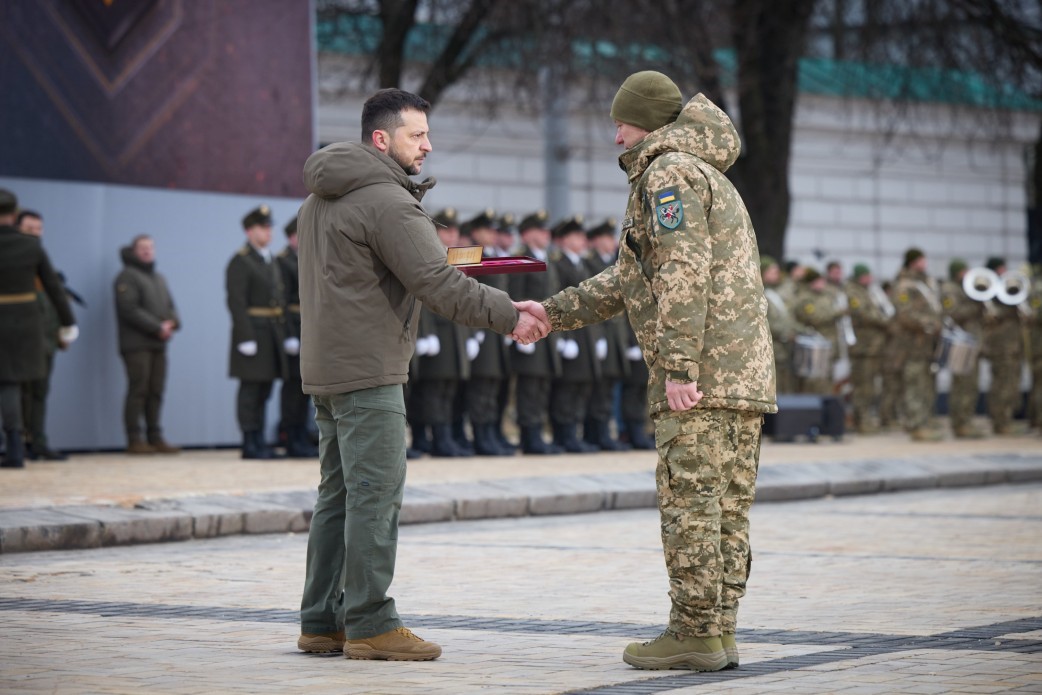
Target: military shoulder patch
{"x":669,"y":211}
{"x":809,"y":308}
{"x":854,"y":304}
{"x":903,"y":297}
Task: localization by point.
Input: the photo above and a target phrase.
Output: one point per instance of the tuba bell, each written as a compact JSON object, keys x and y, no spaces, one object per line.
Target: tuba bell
{"x":1013,"y":289}
{"x":981,"y":284}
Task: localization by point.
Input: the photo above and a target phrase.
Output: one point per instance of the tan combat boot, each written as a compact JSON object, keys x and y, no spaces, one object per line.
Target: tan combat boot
{"x":925,"y":434}
{"x":397,"y":645}
{"x":137,"y":447}
{"x":162,"y":447}
{"x":730,"y":648}
{"x":321,"y":643}
{"x":670,"y":650}
{"x":969,"y":432}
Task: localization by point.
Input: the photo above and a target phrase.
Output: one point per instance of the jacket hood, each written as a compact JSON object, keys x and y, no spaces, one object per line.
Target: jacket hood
{"x":343,"y":167}
{"x":130,"y":260}
{"x":702,"y":129}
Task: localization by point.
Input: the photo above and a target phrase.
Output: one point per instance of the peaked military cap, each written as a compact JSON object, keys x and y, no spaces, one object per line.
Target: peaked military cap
{"x":446,"y":218}
{"x":291,"y":227}
{"x":485,"y":218}
{"x":567,"y":226}
{"x":605,"y":228}
{"x":537,"y":219}
{"x":506,"y":222}
{"x":260,"y":216}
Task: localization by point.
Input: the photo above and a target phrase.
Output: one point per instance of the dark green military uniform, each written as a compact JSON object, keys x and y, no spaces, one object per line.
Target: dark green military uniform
{"x":294,"y":402}
{"x":256,"y":302}
{"x":34,"y":393}
{"x":570,"y":390}
{"x":442,"y":372}
{"x":967,"y":314}
{"x":614,"y":365}
{"x":870,"y":319}
{"x":535,"y":365}
{"x":633,"y":403}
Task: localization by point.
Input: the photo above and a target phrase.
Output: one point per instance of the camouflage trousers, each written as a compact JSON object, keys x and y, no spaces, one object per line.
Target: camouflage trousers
{"x":1035,"y":397}
{"x":1004,"y":394}
{"x":890,"y":399}
{"x":785,"y":378}
{"x":706,"y":481}
{"x":919,"y":391}
{"x":962,"y":398}
{"x":863,"y":372}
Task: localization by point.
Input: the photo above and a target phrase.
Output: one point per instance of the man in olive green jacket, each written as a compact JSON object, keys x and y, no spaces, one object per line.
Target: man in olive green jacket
{"x":368,"y":255}
{"x":688,"y":275}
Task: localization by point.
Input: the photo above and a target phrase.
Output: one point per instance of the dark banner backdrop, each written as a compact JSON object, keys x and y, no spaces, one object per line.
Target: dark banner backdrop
{"x":210,"y":95}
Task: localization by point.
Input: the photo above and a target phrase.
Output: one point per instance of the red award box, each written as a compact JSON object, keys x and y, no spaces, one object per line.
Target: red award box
{"x":468,"y":259}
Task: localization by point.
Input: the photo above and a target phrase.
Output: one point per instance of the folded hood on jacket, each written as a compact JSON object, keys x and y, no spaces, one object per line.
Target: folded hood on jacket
{"x":126,"y":254}
{"x":337,"y":169}
{"x":701,"y":129}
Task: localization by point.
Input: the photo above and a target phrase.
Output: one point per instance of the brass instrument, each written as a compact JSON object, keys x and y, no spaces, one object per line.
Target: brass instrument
{"x":985,"y":285}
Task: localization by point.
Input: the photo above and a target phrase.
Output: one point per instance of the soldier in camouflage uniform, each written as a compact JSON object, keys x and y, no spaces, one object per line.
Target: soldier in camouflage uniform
{"x":815,"y":307}
{"x":256,"y":301}
{"x":893,"y":362}
{"x":688,"y":276}
{"x":1035,"y":346}
{"x":784,"y":325}
{"x":870,"y":320}
{"x":967,"y":314}
{"x":603,"y":252}
{"x":1004,"y":348}
{"x":918,"y":321}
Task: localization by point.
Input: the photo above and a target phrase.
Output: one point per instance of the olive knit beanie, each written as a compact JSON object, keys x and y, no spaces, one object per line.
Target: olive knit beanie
{"x":648,"y":100}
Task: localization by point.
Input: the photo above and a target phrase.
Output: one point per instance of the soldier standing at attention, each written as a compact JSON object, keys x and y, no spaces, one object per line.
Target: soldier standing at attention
{"x":147,"y":321}
{"x":34,"y":393}
{"x":689,"y":276}
{"x":784,"y":325}
{"x":1035,"y":344}
{"x":968,"y":314}
{"x":870,"y":320}
{"x":816,"y":307}
{"x":22,"y":261}
{"x":256,"y":301}
{"x":571,"y":389}
{"x":489,"y":367}
{"x":537,"y":364}
{"x":1004,"y":348}
{"x":918,"y":321}
{"x":294,"y":401}
{"x":602,"y":254}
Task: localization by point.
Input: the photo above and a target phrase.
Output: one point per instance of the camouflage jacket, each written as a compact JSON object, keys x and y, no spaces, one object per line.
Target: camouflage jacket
{"x":783,"y":324}
{"x":819,"y":311}
{"x":918,"y":315}
{"x":968,"y":314}
{"x":869,"y":320}
{"x":688,"y":270}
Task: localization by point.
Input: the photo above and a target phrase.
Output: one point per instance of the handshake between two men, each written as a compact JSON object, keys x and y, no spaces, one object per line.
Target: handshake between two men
{"x":533,"y":325}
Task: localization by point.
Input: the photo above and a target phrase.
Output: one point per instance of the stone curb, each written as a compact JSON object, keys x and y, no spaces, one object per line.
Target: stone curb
{"x":209,"y":516}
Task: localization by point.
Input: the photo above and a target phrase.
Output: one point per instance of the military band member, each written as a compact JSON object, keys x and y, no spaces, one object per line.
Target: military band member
{"x":571,"y":388}
{"x":816,"y":308}
{"x":489,"y":367}
{"x":294,"y":401}
{"x":967,"y":314}
{"x":1004,"y":348}
{"x":784,"y":326}
{"x":256,"y":301}
{"x":1035,"y":345}
{"x":890,"y":406}
{"x":918,"y":317}
{"x":534,"y":365}
{"x":870,"y":314}
{"x":603,"y":252}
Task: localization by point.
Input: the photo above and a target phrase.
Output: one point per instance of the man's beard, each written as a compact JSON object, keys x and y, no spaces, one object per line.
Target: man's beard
{"x":410,"y":168}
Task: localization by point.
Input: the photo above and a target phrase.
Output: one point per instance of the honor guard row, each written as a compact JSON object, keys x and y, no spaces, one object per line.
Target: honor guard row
{"x":565,"y":386}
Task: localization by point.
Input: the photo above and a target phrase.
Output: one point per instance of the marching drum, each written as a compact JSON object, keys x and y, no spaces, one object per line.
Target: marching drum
{"x":957,"y":351}
{"x":812,"y":356}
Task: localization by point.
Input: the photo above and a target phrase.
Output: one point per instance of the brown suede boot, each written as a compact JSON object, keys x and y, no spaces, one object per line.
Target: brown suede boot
{"x":321,"y":643}
{"x":161,"y":446}
{"x":397,"y":645}
{"x":138,"y":447}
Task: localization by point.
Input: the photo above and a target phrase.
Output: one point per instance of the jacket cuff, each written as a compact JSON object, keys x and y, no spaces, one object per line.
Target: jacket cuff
{"x":552,"y":313}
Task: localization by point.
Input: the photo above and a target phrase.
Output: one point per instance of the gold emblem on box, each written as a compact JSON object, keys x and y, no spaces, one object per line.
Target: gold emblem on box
{"x":464,"y":255}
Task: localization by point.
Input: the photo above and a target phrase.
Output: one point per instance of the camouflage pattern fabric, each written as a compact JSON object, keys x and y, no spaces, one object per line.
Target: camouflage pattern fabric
{"x":818,"y":311}
{"x":967,"y":314}
{"x":706,"y":478}
{"x":784,"y":328}
{"x":918,"y":321}
{"x":1004,"y":347}
{"x":1035,"y":350}
{"x":870,"y":324}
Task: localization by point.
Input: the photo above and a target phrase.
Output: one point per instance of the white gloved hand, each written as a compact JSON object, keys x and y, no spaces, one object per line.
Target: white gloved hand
{"x":473,"y":346}
{"x":422,"y":347}
{"x":507,"y":340}
{"x":480,"y":337}
{"x":525,"y":349}
{"x":633,"y":353}
{"x":291,"y":345}
{"x":600,"y":348}
{"x":69,"y":334}
{"x":433,"y":345}
{"x":568,"y":348}
{"x":249,"y":348}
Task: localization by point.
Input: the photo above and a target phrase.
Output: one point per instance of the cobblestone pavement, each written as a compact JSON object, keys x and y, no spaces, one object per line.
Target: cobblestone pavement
{"x":918,"y":592}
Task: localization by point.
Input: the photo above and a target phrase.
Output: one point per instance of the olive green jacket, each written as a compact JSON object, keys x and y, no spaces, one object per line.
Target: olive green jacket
{"x":688,"y":272}
{"x":143,"y":302}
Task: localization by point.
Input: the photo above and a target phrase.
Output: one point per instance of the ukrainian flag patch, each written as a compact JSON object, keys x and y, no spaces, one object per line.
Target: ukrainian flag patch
{"x":668,"y":209}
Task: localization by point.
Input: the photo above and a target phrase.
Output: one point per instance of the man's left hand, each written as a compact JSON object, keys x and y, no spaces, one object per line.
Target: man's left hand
{"x":682,"y":396}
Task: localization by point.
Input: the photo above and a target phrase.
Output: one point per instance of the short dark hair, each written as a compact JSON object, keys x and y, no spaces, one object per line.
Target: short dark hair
{"x":28,"y":213}
{"x":383,"y":110}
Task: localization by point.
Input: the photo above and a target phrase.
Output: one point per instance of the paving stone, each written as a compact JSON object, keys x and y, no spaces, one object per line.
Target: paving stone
{"x":120,"y":526}
{"x":481,"y":499}
{"x":23,"y":530}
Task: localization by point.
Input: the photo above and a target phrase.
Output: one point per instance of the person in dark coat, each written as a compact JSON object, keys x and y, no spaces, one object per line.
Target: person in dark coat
{"x":256,"y":301}
{"x":611,"y":345}
{"x":536,"y":364}
{"x":147,"y":321}
{"x":571,"y":389}
{"x":294,"y":424}
{"x":22,"y":261}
